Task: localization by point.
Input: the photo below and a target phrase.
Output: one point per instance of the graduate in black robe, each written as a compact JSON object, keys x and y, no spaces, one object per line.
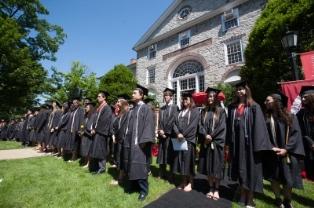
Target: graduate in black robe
{"x":32,"y":127}
{"x":246,"y":139}
{"x":53,"y":134}
{"x":42,"y":123}
{"x":101,"y":134}
{"x":121,"y":151}
{"x":167,"y":116}
{"x":87,"y":141}
{"x":185,"y":128}
{"x":282,"y":165}
{"x":75,"y":127}
{"x":140,"y":134}
{"x":62,"y":129}
{"x":306,"y":120}
{"x":212,"y":133}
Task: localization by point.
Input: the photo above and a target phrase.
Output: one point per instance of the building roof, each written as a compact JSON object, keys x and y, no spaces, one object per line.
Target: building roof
{"x":145,"y":40}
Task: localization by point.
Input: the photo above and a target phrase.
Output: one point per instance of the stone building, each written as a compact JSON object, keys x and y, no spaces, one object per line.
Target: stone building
{"x":195,"y":44}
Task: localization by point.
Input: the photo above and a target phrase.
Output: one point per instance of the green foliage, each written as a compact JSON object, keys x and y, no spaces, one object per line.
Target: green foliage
{"x":266,"y":61}
{"x":228,"y":91}
{"x":25,"y":40}
{"x":118,"y":81}
{"x":59,"y":85}
{"x":20,"y":75}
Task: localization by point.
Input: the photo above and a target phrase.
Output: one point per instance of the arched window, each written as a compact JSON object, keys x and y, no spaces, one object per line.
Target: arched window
{"x":188,"y":75}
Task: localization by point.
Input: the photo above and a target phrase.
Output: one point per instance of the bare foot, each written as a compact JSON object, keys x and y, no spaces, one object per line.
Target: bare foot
{"x":188,"y":188}
{"x":216,"y":195}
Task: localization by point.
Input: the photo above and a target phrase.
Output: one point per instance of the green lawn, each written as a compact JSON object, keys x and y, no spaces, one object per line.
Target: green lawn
{"x":49,"y":182}
{"x":4,"y":145}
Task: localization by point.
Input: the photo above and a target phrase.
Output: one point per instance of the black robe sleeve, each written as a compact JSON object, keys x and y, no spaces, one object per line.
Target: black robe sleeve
{"x":146,"y":117}
{"x":260,"y":135}
{"x":295,"y":144}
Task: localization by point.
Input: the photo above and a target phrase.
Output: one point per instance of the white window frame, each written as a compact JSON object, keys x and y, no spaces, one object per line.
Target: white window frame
{"x":226,"y":51}
{"x":150,"y":49}
{"x":184,"y":35}
{"x":148,"y":75}
{"x":230,"y":15}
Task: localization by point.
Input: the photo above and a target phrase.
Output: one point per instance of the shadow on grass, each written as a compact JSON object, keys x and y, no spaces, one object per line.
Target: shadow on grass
{"x":307,"y":202}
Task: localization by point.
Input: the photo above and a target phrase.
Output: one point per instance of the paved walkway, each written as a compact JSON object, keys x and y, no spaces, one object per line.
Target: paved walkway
{"x":19,"y":154}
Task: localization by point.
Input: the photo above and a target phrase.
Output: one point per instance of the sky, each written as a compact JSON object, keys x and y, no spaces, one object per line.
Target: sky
{"x":100,"y":33}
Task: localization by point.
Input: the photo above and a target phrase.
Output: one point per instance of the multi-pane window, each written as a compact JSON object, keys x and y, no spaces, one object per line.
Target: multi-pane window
{"x":234,"y":52}
{"x":230,"y":19}
{"x":187,"y":76}
{"x":152,"y":50}
{"x":151,"y":75}
{"x":231,"y":23}
{"x":184,"y":39}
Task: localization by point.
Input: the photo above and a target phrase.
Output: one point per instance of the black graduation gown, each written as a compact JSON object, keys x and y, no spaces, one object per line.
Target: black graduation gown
{"x":247,"y":138}
{"x":30,"y":127}
{"x":87,"y":136}
{"x":4,"y":132}
{"x":102,"y":126}
{"x":75,"y":125}
{"x":307,"y":129}
{"x":276,"y":167}
{"x":140,"y":131}
{"x":211,"y":157}
{"x":167,"y":117}
{"x":53,"y":138}
{"x":184,"y":161}
{"x":42,"y":125}
{"x":63,"y":131}
{"x":121,"y":148}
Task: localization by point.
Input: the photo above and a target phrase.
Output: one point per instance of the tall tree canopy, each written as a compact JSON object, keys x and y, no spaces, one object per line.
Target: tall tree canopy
{"x":266,"y":61}
{"x":60,"y":85}
{"x":118,"y":81}
{"x":25,"y":40}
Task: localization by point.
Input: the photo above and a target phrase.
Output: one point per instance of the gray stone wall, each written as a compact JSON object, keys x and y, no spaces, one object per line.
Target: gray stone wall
{"x":209,"y":38}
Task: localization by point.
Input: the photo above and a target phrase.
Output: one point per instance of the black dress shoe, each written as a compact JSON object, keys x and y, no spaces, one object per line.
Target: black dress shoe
{"x":142,"y":196}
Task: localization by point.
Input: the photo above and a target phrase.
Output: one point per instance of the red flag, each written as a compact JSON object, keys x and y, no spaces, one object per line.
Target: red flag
{"x":307,"y":60}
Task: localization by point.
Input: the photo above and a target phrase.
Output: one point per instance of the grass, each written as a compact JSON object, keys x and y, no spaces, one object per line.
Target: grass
{"x":300,"y":198}
{"x":48,"y":182}
{"x":5,"y":145}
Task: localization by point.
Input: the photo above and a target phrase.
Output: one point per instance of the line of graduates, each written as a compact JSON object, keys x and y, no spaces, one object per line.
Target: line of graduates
{"x":258,"y":145}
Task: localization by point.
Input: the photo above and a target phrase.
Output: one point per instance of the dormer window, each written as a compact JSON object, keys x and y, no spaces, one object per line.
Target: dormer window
{"x":152,"y":50}
{"x":184,"y":39}
{"x":230,"y":19}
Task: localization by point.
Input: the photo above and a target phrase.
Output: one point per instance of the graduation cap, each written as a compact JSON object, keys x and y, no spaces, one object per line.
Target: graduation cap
{"x":144,"y":89}
{"x":187,"y":93}
{"x":124,"y":96}
{"x":89,"y":102}
{"x":242,"y":83}
{"x":283,"y":99}
{"x":76,"y":94}
{"x":209,"y":89}
{"x":106,"y":93}
{"x":172,"y":91}
{"x":307,"y":90}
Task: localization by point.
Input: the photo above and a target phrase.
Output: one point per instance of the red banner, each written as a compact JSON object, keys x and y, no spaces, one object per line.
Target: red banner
{"x":292,"y":90}
{"x":307,"y":60}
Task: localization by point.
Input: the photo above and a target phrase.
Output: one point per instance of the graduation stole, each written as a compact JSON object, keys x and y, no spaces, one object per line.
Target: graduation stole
{"x":287,"y":139}
{"x":99,"y":110}
{"x":212,"y":128}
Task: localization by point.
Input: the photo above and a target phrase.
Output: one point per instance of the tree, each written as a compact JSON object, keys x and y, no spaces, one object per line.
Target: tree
{"x":25,"y":40}
{"x":60,"y":85}
{"x":118,"y":81}
{"x":266,"y":61}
